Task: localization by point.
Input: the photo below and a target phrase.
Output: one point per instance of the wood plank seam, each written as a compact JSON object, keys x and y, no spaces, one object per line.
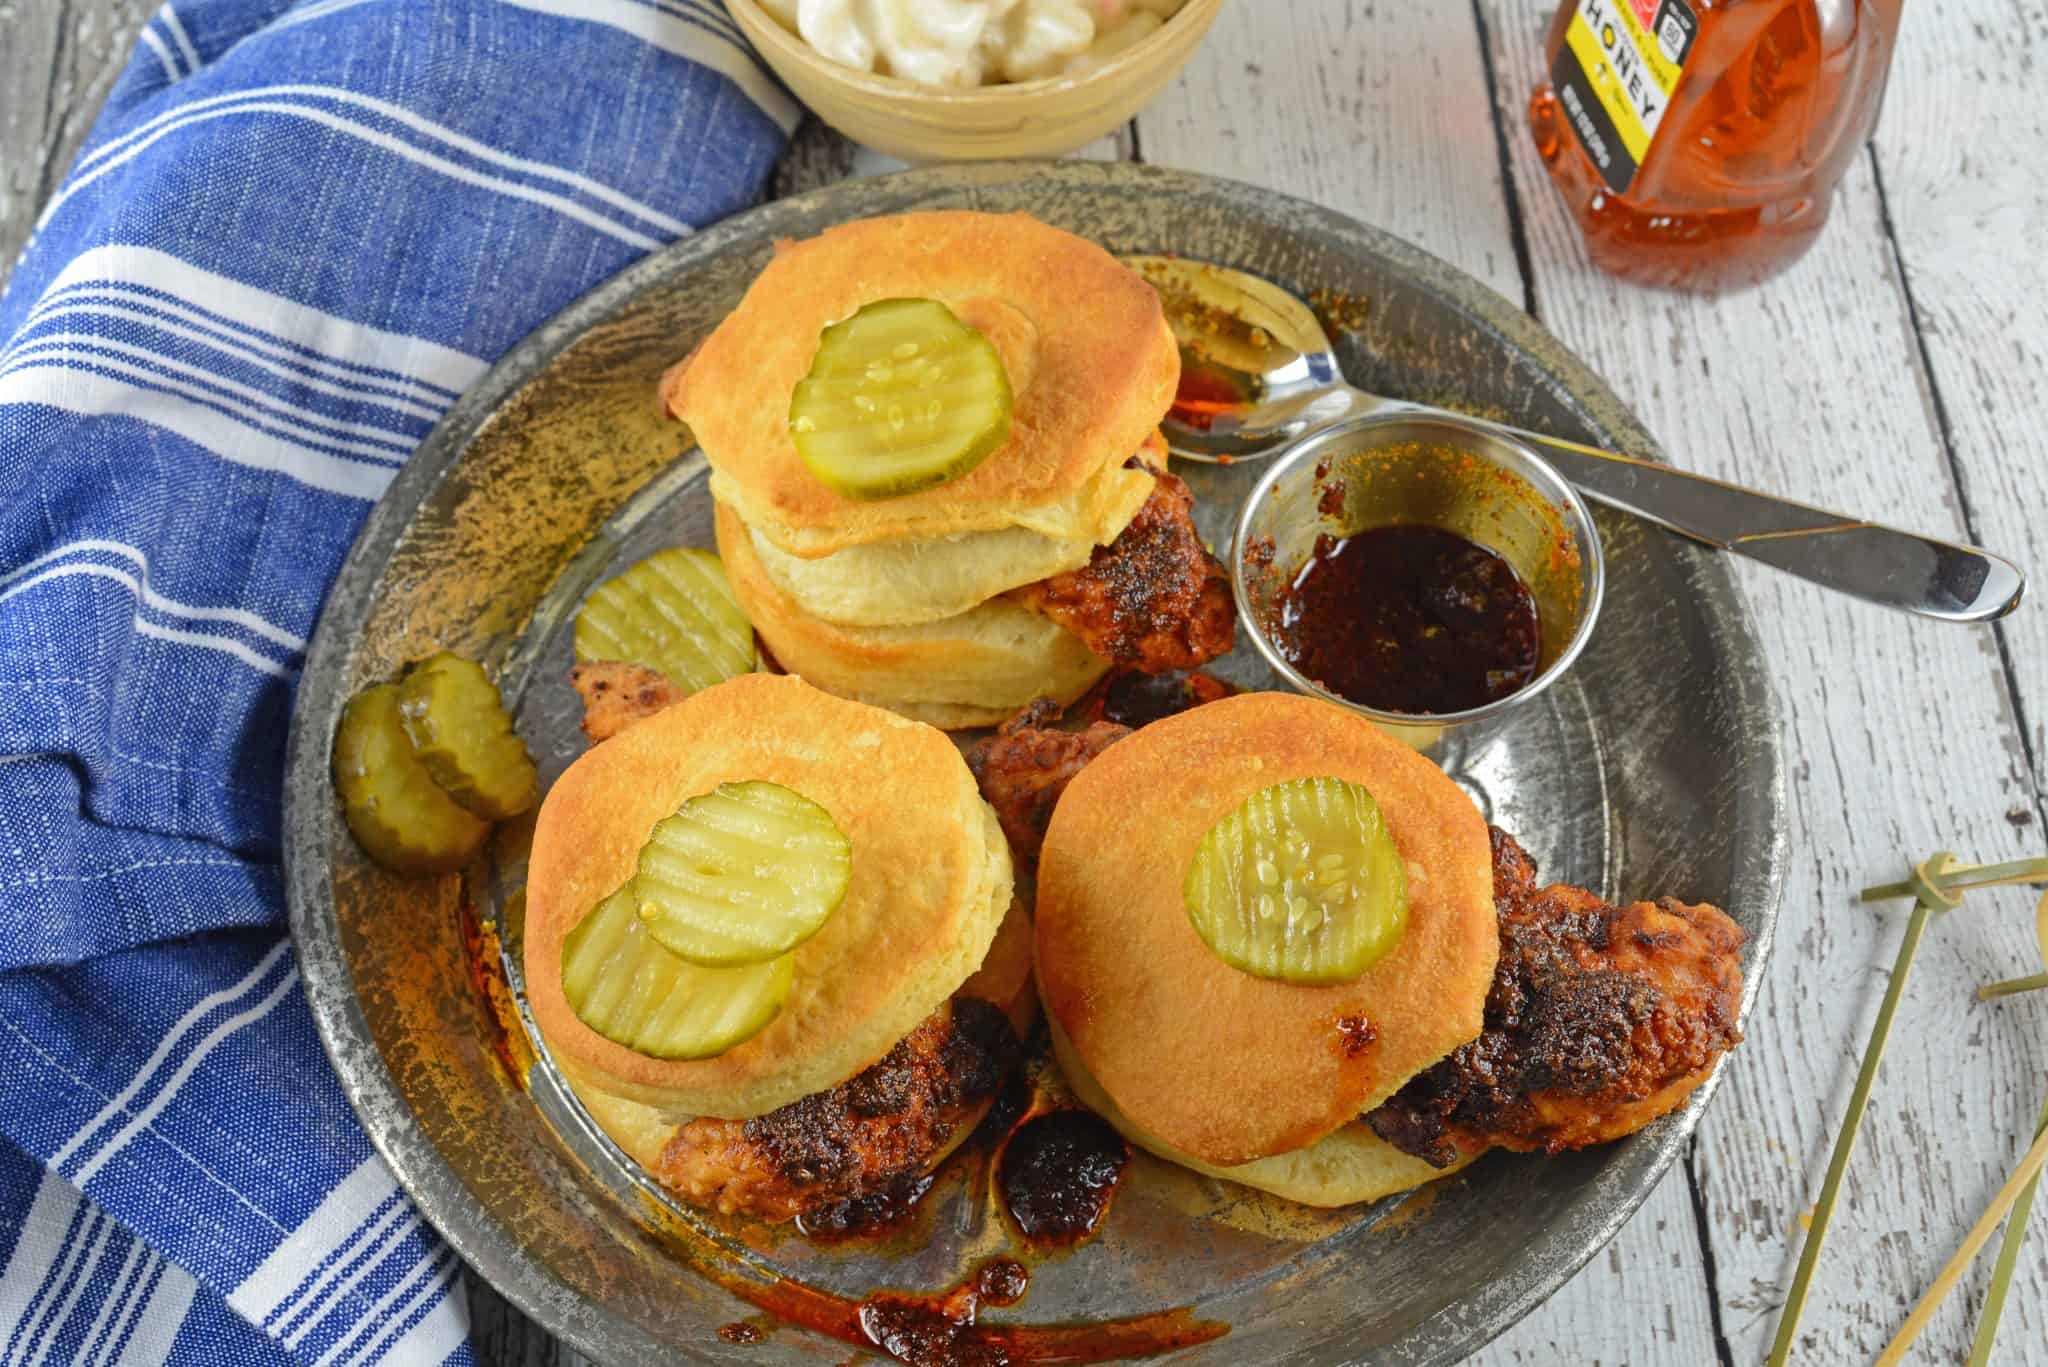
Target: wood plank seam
{"x":1724,"y":1352}
{"x":1518,"y":233}
{"x":56,"y":121}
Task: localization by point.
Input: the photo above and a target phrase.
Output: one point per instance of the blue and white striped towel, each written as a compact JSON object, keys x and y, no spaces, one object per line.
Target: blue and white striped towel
{"x":298,"y":232}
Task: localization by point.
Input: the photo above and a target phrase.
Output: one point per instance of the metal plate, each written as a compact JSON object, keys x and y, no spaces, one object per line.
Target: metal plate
{"x":1655,"y":768}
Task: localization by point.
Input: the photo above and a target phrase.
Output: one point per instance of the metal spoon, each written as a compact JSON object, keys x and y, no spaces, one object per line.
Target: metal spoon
{"x":1260,"y":374}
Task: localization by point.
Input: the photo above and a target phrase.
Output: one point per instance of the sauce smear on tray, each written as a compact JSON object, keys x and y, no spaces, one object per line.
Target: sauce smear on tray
{"x":1058,"y":1173}
{"x":1410,"y":619}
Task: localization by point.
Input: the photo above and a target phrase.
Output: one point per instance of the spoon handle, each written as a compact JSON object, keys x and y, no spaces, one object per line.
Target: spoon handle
{"x":1878,"y":564}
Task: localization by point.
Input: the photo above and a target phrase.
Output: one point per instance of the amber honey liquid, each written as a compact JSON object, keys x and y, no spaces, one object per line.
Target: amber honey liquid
{"x":1699,"y":142}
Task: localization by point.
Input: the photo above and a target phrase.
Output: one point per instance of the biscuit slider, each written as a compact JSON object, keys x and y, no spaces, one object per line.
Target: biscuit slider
{"x":771,"y":942}
{"x":1319,"y":974}
{"x":940,"y":486}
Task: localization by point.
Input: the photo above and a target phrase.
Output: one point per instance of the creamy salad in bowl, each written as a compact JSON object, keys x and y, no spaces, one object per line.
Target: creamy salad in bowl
{"x":963,"y":43}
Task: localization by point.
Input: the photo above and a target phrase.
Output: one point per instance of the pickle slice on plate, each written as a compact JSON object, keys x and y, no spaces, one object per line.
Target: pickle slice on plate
{"x":459,"y":729}
{"x":901,"y":396}
{"x":674,"y":613}
{"x":392,"y":805}
{"x":629,"y":989}
{"x":741,"y":874}
{"x":1301,"y":882}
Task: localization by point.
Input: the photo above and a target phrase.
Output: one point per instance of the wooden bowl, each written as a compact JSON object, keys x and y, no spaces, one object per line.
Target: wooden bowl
{"x":919,"y":123}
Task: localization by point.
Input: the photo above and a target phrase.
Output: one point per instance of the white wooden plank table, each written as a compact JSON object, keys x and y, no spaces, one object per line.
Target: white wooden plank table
{"x":1895,"y":372}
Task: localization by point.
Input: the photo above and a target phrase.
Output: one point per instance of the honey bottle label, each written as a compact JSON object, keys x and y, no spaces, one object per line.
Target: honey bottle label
{"x":1614,"y":75}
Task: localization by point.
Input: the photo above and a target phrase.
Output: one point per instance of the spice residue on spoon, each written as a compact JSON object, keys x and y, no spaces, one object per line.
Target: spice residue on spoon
{"x":1209,"y":391}
{"x":1410,"y":619}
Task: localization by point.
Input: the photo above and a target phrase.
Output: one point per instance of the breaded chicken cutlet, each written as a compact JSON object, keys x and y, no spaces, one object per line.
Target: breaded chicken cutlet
{"x":869,"y":1135}
{"x":1152,"y":600}
{"x":1025,"y":766}
{"x":1601,"y":1018}
{"x":616,"y":694}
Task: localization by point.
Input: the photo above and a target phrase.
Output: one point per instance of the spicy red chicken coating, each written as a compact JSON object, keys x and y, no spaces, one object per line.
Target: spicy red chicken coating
{"x":1600,"y":1019}
{"x":1152,"y":600}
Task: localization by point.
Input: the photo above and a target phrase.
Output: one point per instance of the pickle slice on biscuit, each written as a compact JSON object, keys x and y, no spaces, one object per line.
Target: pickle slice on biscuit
{"x":741,"y":874}
{"x":673,"y":613}
{"x":397,"y":813}
{"x":1300,"y":882}
{"x":459,"y":729}
{"x":902,"y":396}
{"x":626,"y":987}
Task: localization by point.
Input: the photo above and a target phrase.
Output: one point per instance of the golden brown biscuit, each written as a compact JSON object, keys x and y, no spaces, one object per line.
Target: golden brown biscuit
{"x":1215,"y":1062}
{"x":902,"y":583}
{"x":929,"y":884}
{"x":1091,"y":362}
{"x":970,"y":670}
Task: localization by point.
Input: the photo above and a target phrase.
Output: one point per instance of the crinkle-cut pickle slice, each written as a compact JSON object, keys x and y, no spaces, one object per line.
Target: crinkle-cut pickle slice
{"x":741,"y":874}
{"x":901,"y":397}
{"x":397,"y":813}
{"x":459,"y":729}
{"x":1301,"y":882}
{"x":673,"y":613}
{"x":629,"y":989}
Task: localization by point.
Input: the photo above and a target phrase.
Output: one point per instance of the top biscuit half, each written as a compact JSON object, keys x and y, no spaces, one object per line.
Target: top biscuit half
{"x":1091,"y":362}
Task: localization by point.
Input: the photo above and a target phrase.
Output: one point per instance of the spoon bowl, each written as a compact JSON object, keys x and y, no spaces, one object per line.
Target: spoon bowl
{"x":1259,"y":371}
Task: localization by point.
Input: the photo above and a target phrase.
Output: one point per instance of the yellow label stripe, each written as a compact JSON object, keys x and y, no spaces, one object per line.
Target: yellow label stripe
{"x":1592,"y":55}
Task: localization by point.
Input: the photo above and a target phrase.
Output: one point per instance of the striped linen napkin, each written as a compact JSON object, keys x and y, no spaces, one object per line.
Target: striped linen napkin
{"x":297,"y":233}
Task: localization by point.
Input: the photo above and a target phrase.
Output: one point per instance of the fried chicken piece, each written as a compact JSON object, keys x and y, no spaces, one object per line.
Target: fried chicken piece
{"x":879,"y":1130}
{"x":1154,"y":599}
{"x":616,"y":694}
{"x":1025,"y":766}
{"x":1600,"y":1019}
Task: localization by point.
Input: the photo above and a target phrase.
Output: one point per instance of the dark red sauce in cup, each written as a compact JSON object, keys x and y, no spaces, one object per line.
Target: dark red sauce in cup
{"x":1409,"y":619}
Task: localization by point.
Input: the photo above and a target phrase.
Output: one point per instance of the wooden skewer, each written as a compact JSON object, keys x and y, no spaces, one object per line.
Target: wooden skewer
{"x":2016,"y":1223}
{"x":2029,"y":1168}
{"x":1852,"y":1125}
{"x":1937,"y":885}
{"x":2012,"y":987}
{"x":2008,"y":1259}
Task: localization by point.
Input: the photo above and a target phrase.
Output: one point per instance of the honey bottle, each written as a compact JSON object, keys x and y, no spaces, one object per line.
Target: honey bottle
{"x":1699,"y":142}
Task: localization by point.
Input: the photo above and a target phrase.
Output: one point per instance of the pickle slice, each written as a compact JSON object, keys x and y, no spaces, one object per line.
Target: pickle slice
{"x":901,"y":396}
{"x":629,"y":989}
{"x":1301,"y":882}
{"x":673,"y":613}
{"x":403,"y":821}
{"x":741,"y":874}
{"x":459,"y":729}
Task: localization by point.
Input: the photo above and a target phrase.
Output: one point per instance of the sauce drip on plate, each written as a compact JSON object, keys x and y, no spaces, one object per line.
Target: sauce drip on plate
{"x":941,"y":1331}
{"x":1058,"y":1173}
{"x":1410,"y":619}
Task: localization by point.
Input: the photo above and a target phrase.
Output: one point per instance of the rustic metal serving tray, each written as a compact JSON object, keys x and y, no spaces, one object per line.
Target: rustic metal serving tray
{"x":1654,"y":768}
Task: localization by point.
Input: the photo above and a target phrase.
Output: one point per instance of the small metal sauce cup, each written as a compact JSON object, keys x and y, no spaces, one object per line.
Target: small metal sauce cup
{"x":1430,"y":469}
